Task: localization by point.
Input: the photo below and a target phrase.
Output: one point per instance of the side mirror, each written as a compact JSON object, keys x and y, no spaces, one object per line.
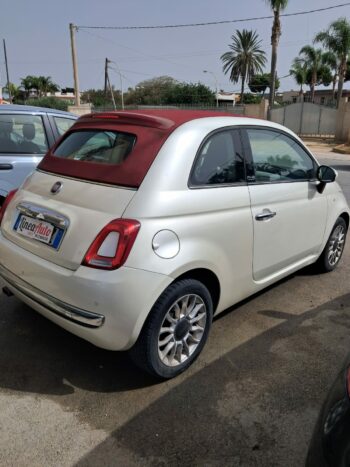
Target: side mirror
{"x":325,"y":175}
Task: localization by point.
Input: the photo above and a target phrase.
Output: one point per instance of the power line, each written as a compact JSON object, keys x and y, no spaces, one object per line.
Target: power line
{"x":211,"y":23}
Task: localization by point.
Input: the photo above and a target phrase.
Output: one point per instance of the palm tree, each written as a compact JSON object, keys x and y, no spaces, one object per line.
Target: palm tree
{"x":46,"y":85}
{"x":299,"y":72}
{"x":28,"y":83}
{"x":11,"y":89}
{"x":245,"y":59}
{"x":312,"y":59}
{"x":277,"y":6}
{"x":337,"y":39}
{"x":331,"y":60}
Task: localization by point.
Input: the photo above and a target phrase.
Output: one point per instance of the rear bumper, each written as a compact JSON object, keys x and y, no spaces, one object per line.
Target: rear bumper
{"x":106,"y":308}
{"x":77,"y":315}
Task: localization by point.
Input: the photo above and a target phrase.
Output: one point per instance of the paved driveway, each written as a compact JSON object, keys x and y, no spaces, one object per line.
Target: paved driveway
{"x":251,"y":399}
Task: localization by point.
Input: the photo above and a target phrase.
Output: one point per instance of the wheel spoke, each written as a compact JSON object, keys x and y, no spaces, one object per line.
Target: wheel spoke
{"x":172,"y":352}
{"x":177,"y":311}
{"x":184,"y":305}
{"x":186,"y":348}
{"x":178,"y":353}
{"x":190,"y":306}
{"x":165,"y":340}
{"x":169,"y":318}
{"x":194,"y":339}
{"x":196,"y":328}
{"x":167,"y":349}
{"x":197,"y":318}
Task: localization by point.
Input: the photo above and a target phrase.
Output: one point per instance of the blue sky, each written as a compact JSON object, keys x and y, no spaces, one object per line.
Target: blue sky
{"x":37,"y":38}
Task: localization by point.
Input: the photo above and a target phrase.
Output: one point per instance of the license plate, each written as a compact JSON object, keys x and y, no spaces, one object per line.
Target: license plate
{"x":37,"y":230}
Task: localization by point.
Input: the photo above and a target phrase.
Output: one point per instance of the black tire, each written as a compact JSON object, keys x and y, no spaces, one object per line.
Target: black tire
{"x":326,"y":262}
{"x":146,"y":353}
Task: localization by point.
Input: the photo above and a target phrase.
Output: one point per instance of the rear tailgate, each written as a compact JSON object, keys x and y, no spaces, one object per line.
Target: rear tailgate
{"x":85,"y":207}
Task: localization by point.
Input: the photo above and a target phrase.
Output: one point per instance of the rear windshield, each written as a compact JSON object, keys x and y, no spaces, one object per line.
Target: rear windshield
{"x":102,"y":151}
{"x":98,"y":146}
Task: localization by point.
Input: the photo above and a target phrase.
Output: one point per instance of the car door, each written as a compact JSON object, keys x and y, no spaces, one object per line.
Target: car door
{"x":24,"y":139}
{"x":289,"y":214}
{"x":221,"y":196}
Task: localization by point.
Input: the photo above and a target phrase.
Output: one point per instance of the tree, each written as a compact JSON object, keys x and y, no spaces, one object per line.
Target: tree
{"x":189,"y":93}
{"x":337,"y":40}
{"x":46,"y":85}
{"x":40,"y":84}
{"x":259,"y":83}
{"x":313,"y":59}
{"x":245,"y":59}
{"x":324,"y":76}
{"x":277,"y":6}
{"x":28,"y":83}
{"x":331,"y":61}
{"x":299,"y":73}
{"x":162,"y":90}
{"x":97,"y":97}
{"x":151,"y":91}
{"x":14,"y":91}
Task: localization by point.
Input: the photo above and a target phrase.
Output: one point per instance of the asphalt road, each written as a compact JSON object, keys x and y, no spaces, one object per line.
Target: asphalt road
{"x":251,"y":399}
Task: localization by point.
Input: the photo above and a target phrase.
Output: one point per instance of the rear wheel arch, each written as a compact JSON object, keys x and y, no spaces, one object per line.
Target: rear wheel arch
{"x":346,"y":218}
{"x":208,"y":278}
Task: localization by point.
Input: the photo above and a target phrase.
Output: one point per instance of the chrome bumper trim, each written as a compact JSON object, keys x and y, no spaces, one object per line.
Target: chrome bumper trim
{"x":77,"y":315}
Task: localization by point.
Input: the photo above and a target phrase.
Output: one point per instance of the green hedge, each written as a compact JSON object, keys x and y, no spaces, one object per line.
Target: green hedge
{"x":49,"y":102}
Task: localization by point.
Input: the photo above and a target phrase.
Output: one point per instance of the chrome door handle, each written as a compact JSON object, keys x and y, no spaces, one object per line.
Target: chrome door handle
{"x":265,"y":215}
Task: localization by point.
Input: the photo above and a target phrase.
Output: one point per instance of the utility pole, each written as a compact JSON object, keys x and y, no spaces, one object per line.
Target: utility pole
{"x":121,"y":84}
{"x":73,"y":30}
{"x":7,"y":72}
{"x":107,"y":82}
{"x":106,"y":77}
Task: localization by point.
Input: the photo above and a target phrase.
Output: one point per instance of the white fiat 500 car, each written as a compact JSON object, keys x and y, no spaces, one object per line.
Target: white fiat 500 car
{"x":137,"y":228}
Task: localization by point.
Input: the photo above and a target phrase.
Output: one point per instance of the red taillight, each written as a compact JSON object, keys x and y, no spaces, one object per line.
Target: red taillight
{"x":6,"y":203}
{"x":112,"y":246}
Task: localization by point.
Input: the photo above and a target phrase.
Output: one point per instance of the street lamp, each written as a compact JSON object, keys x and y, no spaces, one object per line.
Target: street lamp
{"x":216,"y":86}
{"x":121,"y":82}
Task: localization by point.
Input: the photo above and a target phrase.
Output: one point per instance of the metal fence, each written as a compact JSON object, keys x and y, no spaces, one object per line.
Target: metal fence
{"x":306,"y":119}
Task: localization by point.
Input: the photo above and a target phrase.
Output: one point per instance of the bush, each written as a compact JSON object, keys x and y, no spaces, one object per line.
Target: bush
{"x":251,"y":99}
{"x":49,"y":102}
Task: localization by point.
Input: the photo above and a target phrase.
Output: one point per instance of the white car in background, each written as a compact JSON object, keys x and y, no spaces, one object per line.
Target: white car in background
{"x":138,"y":227}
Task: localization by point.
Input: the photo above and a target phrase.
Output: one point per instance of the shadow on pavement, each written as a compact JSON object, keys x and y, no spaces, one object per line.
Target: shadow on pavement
{"x":36,"y":356}
{"x":254,"y":406}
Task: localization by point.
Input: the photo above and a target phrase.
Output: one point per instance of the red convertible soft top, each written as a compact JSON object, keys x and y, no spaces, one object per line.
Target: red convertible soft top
{"x":151,"y":127}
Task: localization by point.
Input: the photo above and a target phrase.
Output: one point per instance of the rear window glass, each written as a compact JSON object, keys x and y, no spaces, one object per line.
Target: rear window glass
{"x":98,"y":146}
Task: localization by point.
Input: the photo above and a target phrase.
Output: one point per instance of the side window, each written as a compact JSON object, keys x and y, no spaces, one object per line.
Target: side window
{"x":22,"y":134}
{"x":63,"y":124}
{"x":278,"y":158}
{"x":218,"y":161}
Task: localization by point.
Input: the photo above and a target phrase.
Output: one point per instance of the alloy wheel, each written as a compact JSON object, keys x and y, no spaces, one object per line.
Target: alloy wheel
{"x":182,"y":330}
{"x":336,"y":245}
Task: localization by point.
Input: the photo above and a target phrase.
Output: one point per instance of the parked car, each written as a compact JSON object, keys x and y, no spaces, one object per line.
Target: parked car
{"x":137,"y":228}
{"x":26,"y":134}
{"x":330,"y":444}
